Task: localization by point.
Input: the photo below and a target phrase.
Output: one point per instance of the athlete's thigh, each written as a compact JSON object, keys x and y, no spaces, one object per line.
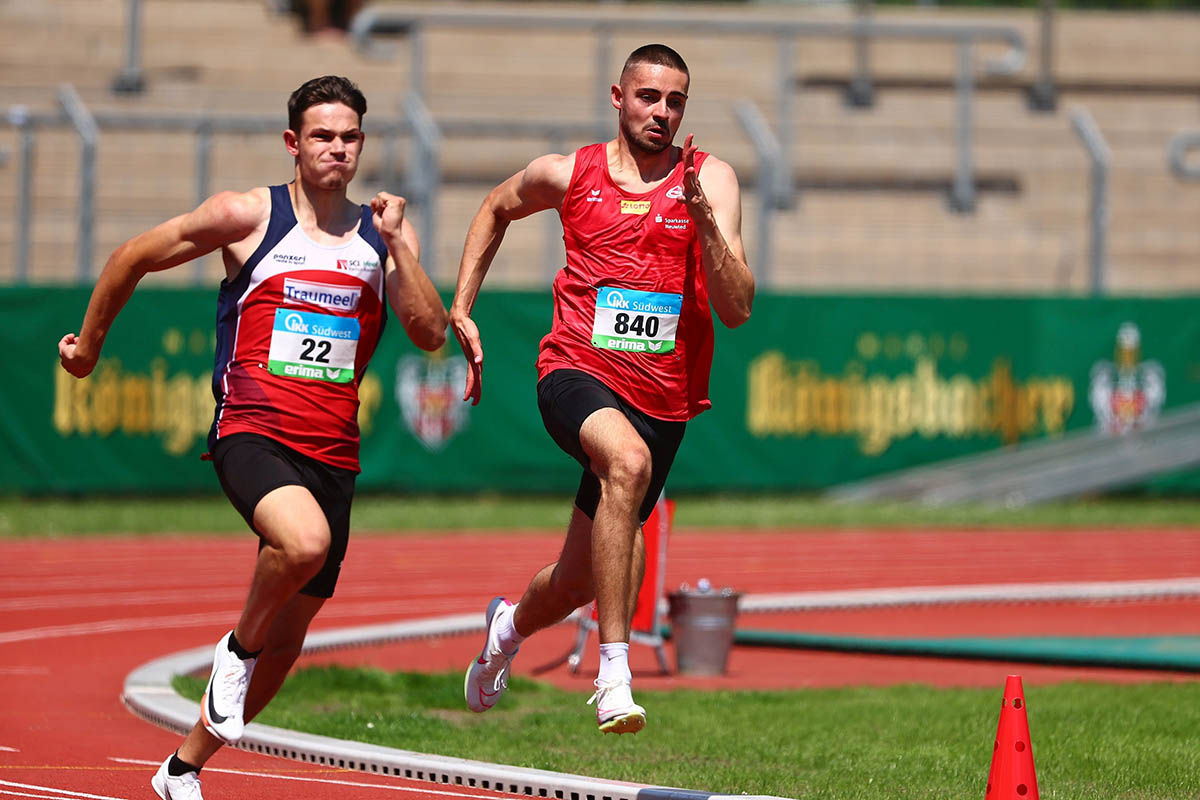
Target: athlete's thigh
{"x":290,"y":517}
{"x":249,"y":467}
{"x":608,"y":436}
{"x":566,"y":398}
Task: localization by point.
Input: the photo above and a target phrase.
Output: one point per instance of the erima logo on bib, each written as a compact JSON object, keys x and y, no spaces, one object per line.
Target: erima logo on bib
{"x":326,"y":295}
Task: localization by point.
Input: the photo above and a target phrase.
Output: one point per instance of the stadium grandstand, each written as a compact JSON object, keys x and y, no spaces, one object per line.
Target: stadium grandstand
{"x":873,"y":197}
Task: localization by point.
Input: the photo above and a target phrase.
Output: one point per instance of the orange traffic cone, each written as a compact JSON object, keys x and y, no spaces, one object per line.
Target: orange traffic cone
{"x":1012,"y":776}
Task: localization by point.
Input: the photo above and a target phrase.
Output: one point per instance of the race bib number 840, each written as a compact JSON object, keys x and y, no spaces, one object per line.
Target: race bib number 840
{"x":318,"y":347}
{"x":640,"y":322}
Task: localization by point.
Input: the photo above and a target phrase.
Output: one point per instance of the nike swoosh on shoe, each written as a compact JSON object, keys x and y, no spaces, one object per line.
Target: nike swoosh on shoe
{"x":213,"y":716}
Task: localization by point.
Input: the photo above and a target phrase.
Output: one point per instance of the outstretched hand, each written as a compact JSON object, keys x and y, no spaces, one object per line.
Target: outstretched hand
{"x":387,"y":213}
{"x":693,"y":192}
{"x":467,"y":334}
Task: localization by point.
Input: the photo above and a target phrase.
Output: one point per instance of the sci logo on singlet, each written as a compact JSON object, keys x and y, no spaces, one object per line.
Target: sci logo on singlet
{"x":318,"y":347}
{"x":634,"y":321}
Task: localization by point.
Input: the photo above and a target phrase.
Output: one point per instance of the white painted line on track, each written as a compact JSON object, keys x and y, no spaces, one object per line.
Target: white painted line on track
{"x":93,"y":599}
{"x":1076,"y":591}
{"x":9,"y":749}
{"x":10,"y":793}
{"x":116,"y":626}
{"x":206,"y":619}
{"x":58,"y":792}
{"x":360,"y":784}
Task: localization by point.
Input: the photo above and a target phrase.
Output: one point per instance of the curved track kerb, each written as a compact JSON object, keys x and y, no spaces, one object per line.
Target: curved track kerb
{"x":148,"y":692}
{"x":149,"y":695}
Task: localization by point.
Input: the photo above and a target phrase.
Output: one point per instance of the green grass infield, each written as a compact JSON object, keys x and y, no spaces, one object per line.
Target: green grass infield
{"x":46,"y":516}
{"x":1089,"y":741}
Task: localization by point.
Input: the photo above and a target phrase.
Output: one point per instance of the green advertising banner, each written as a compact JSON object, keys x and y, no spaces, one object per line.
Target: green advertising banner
{"x":815,"y":391}
{"x":811,"y":392}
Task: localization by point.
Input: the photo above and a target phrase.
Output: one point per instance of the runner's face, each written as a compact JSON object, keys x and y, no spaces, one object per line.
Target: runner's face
{"x":651,"y":100}
{"x":328,"y":145}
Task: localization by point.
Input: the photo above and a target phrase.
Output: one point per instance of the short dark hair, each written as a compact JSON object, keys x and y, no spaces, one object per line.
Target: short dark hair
{"x":326,"y":89}
{"x":657,"y":54}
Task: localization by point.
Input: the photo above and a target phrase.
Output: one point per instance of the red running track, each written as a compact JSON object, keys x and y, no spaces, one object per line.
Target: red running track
{"x":80,"y":614}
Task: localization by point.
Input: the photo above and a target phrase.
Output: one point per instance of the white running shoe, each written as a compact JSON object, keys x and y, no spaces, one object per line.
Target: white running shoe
{"x":487,"y":677}
{"x":171,"y":787}
{"x":224,"y":700}
{"x":615,"y":710}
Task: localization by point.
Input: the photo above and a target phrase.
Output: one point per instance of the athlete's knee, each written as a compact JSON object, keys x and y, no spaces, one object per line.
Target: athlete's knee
{"x":631,"y":469}
{"x":305,"y":548}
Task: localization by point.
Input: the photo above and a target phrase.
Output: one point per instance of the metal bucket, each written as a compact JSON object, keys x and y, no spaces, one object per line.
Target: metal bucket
{"x":702,"y":626}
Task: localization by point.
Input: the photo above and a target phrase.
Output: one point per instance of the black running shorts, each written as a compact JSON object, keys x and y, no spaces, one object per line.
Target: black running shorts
{"x":566,"y":397}
{"x":249,"y":466}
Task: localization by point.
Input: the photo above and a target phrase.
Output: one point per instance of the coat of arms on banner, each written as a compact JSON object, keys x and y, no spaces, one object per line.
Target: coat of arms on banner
{"x":428,"y":391}
{"x":1127,"y":393}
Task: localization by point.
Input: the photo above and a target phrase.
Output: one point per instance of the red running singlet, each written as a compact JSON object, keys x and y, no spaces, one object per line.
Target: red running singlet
{"x":631,"y":304}
{"x":295,"y":330}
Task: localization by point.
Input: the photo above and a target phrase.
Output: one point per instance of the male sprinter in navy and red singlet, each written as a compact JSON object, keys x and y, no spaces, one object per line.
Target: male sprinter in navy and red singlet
{"x":627,"y":359}
{"x":300,"y":312}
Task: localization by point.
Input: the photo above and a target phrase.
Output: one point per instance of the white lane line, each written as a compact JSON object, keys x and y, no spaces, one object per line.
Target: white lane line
{"x":796,"y":601}
{"x":974,"y":593}
{"x":9,"y":749}
{"x":57,"y":791}
{"x":365,"y":610}
{"x":102,"y":599}
{"x":93,"y":599}
{"x":11,"y":793}
{"x":248,"y":773}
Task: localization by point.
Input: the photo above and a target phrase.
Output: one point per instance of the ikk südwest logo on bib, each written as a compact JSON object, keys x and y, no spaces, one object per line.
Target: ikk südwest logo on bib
{"x":635,"y":207}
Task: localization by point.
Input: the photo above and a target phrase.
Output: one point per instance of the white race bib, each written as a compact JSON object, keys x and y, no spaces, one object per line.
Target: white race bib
{"x":639,"y":322}
{"x":318,"y":347}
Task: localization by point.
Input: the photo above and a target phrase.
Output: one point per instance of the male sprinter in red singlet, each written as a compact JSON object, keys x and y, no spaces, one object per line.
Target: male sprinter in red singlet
{"x":299,"y":315}
{"x":626,"y":362}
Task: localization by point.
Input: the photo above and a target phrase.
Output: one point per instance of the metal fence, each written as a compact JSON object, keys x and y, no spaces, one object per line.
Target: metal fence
{"x":1177,"y":154}
{"x":774,"y":188}
{"x":772,"y":145}
{"x":414,"y":25}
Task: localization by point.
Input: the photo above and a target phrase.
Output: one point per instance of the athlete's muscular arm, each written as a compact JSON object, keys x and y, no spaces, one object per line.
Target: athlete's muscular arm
{"x":717,"y":212}
{"x":410,"y":293}
{"x":540,"y":186}
{"x":221,"y":220}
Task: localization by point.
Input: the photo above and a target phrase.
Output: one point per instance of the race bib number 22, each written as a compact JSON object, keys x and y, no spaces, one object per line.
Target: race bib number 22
{"x":640,"y":322}
{"x":314,"y":346}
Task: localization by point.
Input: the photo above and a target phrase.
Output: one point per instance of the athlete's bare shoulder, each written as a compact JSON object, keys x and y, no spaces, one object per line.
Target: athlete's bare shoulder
{"x":714,"y":168}
{"x":236,"y":221}
{"x":550,"y":171}
{"x":539,"y":186}
{"x":234,"y":212}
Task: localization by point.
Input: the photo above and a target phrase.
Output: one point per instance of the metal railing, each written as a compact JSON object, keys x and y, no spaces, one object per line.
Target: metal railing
{"x":1177,"y":154}
{"x":130,"y":80}
{"x":375,"y":21}
{"x":422,"y":179}
{"x":772,"y":191}
{"x":73,"y":113}
{"x":1100,"y":157}
{"x":556,"y":134}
